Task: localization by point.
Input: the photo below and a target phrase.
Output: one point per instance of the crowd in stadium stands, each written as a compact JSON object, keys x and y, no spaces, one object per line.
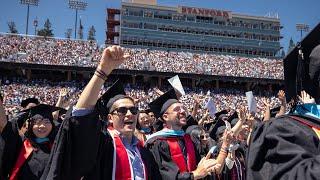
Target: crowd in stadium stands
{"x":48,"y":92}
{"x":86,"y":53}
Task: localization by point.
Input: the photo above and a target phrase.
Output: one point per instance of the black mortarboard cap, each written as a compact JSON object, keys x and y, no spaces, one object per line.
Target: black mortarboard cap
{"x":217,"y":129}
{"x":157,"y":125}
{"x":274,"y":111}
{"x":24,"y":103}
{"x":44,"y":110}
{"x":220,"y":114}
{"x":20,"y":118}
{"x":190,"y":122}
{"x":220,"y":125}
{"x":291,"y":62}
{"x":162,"y":103}
{"x":233,"y":118}
{"x":114,"y":93}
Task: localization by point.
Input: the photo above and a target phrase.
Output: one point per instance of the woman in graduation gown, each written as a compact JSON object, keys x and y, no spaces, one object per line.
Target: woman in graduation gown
{"x":26,"y":157}
{"x":89,"y":148}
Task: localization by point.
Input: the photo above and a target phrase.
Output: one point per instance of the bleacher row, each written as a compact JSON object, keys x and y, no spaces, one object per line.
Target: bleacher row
{"x":39,"y":50}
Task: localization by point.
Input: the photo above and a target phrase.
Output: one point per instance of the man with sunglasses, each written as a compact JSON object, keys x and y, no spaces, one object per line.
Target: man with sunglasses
{"x":98,"y":141}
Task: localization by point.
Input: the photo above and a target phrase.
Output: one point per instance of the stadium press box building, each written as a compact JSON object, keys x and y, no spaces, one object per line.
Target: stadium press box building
{"x":144,"y":24}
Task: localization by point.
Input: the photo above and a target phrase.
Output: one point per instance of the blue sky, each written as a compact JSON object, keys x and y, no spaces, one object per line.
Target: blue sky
{"x":62,"y":18}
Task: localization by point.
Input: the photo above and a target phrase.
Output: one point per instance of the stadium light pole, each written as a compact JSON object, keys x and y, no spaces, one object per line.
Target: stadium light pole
{"x":28,"y":3}
{"x":302,"y":28}
{"x":77,"y":5}
{"x":35,"y":24}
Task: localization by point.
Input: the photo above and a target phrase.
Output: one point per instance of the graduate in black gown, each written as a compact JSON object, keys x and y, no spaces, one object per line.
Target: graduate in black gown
{"x":97,"y":142}
{"x":173,"y":150}
{"x":288,"y":147}
{"x":26,"y":157}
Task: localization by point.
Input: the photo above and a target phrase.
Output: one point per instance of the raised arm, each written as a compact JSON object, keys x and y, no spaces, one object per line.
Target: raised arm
{"x":62,"y":95}
{"x":242,"y":118}
{"x":196,"y":106}
{"x":283,"y":105}
{"x":267,"y":114}
{"x":111,"y":58}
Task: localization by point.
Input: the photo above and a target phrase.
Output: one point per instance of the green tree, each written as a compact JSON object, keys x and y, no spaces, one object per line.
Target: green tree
{"x":68,"y":33}
{"x":80,"y":31}
{"x":92,"y":33}
{"x":12,"y":27}
{"x":46,"y":31}
{"x":283,"y":54}
{"x":291,"y":45}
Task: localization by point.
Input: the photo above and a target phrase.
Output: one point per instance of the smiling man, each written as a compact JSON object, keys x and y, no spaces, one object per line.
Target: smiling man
{"x":98,"y":141}
{"x":172,"y":149}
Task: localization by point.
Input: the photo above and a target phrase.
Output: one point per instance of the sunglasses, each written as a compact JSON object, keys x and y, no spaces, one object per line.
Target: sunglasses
{"x":123,"y":110}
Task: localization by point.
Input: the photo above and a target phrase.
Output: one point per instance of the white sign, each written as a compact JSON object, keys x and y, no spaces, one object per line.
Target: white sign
{"x":211,"y":107}
{"x":176,"y":84}
{"x":252,"y":103}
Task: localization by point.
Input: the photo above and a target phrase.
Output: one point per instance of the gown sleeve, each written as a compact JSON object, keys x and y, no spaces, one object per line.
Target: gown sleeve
{"x":10,"y":147}
{"x":75,"y":149}
{"x":167,"y":167}
{"x":283,"y":149}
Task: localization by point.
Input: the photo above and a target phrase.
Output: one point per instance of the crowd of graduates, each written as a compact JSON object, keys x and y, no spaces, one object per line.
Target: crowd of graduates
{"x":105,"y":135}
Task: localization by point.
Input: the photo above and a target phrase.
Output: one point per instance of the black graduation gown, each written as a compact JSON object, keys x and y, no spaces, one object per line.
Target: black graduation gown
{"x":284,"y":148}
{"x":226,"y":173}
{"x":167,"y":167}
{"x":33,"y":167}
{"x":84,"y":149}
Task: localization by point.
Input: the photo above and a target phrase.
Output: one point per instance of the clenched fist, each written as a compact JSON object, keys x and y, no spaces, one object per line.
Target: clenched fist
{"x":111,"y":58}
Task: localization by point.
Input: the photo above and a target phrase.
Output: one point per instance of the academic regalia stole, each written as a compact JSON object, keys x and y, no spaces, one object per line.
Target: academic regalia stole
{"x":25,"y":152}
{"x":315,"y":129}
{"x":177,"y":155}
{"x":122,"y":169}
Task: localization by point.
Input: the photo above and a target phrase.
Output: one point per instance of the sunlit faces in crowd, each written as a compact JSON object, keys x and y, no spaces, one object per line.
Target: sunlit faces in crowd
{"x":41,"y":127}
{"x":144,"y":120}
{"x":123,"y":116}
{"x":175,"y":116}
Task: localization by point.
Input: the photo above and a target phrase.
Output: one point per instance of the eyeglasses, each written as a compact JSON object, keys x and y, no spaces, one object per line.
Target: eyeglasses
{"x":40,"y":121}
{"x":123,"y":110}
{"x":204,"y":136}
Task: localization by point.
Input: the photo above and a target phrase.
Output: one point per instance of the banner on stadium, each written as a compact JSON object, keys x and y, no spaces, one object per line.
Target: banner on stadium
{"x":205,"y":12}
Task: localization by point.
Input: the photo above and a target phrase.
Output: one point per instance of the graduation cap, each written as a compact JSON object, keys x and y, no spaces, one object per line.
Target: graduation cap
{"x":114,"y":93}
{"x":221,"y":114}
{"x":274,"y":111}
{"x":190,"y":122}
{"x":233,"y":119}
{"x":24,"y":103}
{"x":162,"y":103}
{"x":44,"y":110}
{"x":220,"y":125}
{"x":157,"y":125}
{"x":217,"y":130}
{"x":303,"y":74}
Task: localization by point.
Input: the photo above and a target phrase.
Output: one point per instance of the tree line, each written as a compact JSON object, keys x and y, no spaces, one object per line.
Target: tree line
{"x":47,"y":30}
